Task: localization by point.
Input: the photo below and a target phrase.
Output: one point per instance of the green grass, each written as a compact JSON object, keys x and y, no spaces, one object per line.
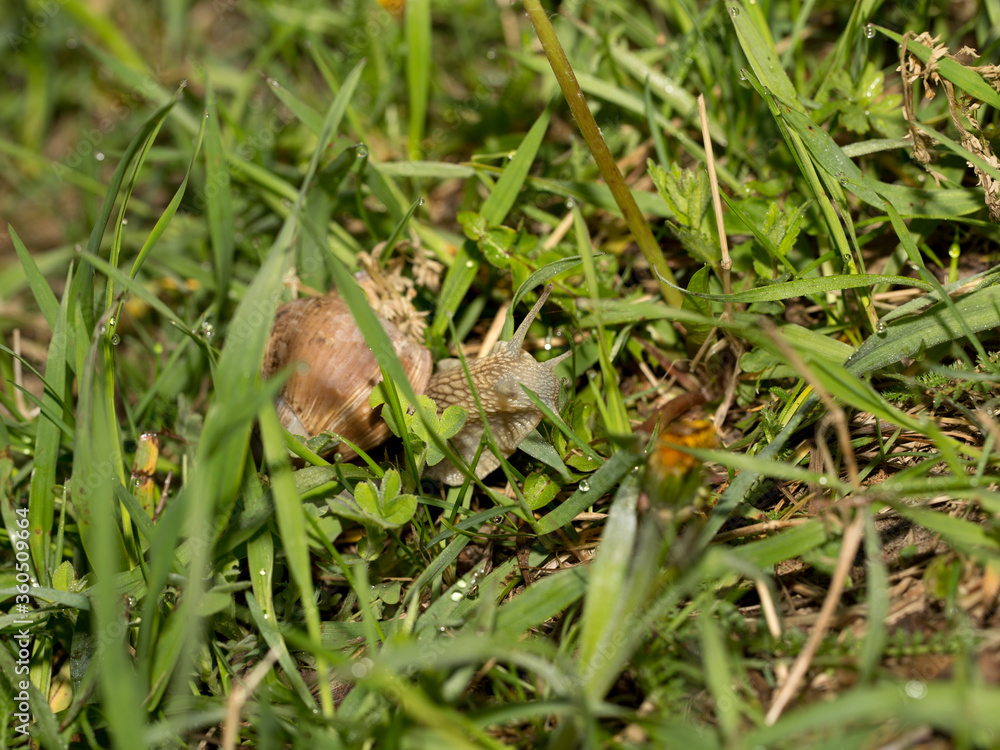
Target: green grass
{"x":180,"y":570}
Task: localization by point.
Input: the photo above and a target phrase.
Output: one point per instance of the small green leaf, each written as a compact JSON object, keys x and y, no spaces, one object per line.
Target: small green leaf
{"x":385,"y":504}
{"x":473,"y":224}
{"x":63,"y":577}
{"x":539,"y":490}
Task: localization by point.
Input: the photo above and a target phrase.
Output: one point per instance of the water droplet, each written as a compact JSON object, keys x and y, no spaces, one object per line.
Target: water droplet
{"x":822,"y":481}
{"x":470,"y":264}
{"x":881,"y":328}
{"x":99,"y":156}
{"x":361,"y":151}
{"x":510,"y":155}
{"x":104,"y":328}
{"x":112,"y":321}
{"x":916,"y":689}
{"x":420,"y":201}
{"x":843,"y":181}
{"x":570,"y":203}
{"x":584,"y":485}
{"x":457,"y":596}
{"x":592,"y":374}
{"x":115,"y":340}
{"x":208,"y":329}
{"x":273,"y":82}
{"x":78,"y":248}
{"x":870,"y":31}
{"x":266,"y":616}
{"x":734,"y":11}
{"x":262,"y":572}
{"x":462,"y":585}
{"x":496,"y":520}
{"x":668,"y":89}
{"x":743,"y":74}
{"x":954,"y":251}
{"x":124,"y":222}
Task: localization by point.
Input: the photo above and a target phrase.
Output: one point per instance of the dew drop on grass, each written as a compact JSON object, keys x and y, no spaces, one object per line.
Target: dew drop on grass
{"x":99,"y":156}
{"x":870,"y":31}
{"x":584,"y":485}
{"x":361,"y":151}
{"x":262,"y":572}
{"x":115,"y":340}
{"x":470,"y":264}
{"x":457,"y":596}
{"x":734,"y":11}
{"x":916,"y":689}
{"x":112,"y":321}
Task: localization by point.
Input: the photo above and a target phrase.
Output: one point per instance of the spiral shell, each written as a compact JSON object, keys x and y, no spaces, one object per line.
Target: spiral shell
{"x":336,"y":371}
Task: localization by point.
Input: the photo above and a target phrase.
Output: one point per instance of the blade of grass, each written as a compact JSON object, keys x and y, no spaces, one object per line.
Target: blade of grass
{"x":40,"y":289}
{"x":599,"y":149}
{"x":83,"y":287}
{"x":41,"y":498}
{"x":504,"y":193}
{"x":418,"y":70}
{"x":617,"y":418}
{"x":218,"y":200}
{"x":601,"y":481}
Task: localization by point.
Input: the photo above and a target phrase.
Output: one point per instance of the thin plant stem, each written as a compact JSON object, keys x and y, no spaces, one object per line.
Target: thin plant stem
{"x":727,"y":263}
{"x":577,"y":102}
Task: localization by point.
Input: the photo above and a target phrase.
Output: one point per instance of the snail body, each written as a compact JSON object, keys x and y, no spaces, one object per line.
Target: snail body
{"x":510,"y":413}
{"x":330,"y":389}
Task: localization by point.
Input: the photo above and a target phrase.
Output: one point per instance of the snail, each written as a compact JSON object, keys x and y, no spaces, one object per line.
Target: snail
{"x":332,"y":393}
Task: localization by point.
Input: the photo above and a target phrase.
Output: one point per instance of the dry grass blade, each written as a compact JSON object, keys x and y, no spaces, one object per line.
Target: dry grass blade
{"x":848,"y":549}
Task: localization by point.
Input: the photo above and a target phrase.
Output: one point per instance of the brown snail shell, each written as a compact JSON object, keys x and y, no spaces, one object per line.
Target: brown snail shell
{"x":329,"y":391}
